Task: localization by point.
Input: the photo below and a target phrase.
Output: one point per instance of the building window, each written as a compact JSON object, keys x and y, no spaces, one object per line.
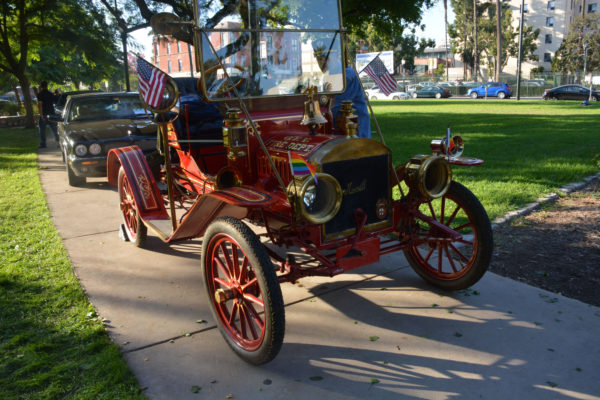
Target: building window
{"x":525,"y":8}
{"x":547,"y":57}
{"x":551,"y":5}
{"x":548,"y":38}
{"x":550,"y":21}
{"x":179,"y":65}
{"x":158,"y":64}
{"x":156,"y":49}
{"x":168,"y":47}
{"x":178,"y":46}
{"x":169,"y":66}
{"x":592,"y":7}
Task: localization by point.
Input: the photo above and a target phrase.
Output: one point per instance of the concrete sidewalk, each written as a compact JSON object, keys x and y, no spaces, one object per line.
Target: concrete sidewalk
{"x":379,"y":332}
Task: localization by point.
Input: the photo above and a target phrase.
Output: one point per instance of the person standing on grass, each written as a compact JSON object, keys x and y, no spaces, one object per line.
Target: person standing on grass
{"x":45,"y":108}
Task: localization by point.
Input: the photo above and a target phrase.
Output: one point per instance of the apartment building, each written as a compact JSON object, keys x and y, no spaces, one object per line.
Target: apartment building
{"x":553,"y":18}
{"x":172,"y":56}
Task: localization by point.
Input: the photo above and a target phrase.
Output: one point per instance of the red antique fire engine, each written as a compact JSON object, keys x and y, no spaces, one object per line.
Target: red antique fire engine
{"x":254,"y":142}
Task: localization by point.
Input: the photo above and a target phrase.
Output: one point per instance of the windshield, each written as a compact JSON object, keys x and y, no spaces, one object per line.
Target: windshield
{"x":271,"y":48}
{"x":97,"y":108}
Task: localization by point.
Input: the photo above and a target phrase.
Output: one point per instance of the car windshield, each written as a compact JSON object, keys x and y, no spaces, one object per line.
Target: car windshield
{"x":97,"y":108}
{"x":271,"y":48}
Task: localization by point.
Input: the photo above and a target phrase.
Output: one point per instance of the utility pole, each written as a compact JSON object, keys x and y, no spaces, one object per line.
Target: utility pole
{"x":465,"y":44}
{"x":446,"y":34}
{"x":520,"y":52}
{"x":476,"y":54}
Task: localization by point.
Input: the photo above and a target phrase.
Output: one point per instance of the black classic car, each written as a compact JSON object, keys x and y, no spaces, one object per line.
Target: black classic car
{"x":92,"y":124}
{"x":571,"y":92}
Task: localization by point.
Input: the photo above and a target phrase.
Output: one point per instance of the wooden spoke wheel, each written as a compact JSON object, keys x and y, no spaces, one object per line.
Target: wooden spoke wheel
{"x":445,"y":262}
{"x":135,"y":229}
{"x":243,"y":290}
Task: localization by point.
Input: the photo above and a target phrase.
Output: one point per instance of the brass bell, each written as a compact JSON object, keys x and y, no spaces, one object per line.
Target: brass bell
{"x":312,"y":110}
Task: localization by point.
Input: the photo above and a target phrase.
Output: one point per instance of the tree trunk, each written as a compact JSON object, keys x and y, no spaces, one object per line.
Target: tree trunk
{"x":475,"y":51}
{"x":446,"y":34}
{"x":465,"y":44}
{"x":498,"y":41}
{"x":29,"y":110}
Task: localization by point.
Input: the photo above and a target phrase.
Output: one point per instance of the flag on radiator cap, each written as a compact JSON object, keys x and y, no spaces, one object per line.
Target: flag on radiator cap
{"x":379,"y":73}
{"x":152,"y":82}
{"x":300,"y":167}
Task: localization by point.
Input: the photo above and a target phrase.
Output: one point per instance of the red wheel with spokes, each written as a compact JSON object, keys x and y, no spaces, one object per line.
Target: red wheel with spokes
{"x":135,"y":229}
{"x":243,"y":290}
{"x":446,"y":261}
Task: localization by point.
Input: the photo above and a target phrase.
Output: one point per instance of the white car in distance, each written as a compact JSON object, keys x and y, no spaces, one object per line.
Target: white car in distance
{"x":376,"y":94}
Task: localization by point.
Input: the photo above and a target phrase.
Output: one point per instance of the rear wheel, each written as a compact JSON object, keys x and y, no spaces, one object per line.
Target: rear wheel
{"x":135,"y":229}
{"x":395,"y":98}
{"x":373,"y":97}
{"x":473,"y":95}
{"x":243,"y":290}
{"x":438,"y":95}
{"x":452,"y":264}
{"x":415,"y":95}
{"x":501,"y":95}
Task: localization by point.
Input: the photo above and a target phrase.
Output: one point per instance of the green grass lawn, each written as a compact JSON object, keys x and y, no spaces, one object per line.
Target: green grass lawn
{"x":52,"y":345}
{"x":530,"y":148}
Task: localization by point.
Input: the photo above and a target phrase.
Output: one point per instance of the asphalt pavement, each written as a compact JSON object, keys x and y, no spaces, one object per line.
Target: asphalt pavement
{"x":378,"y":332}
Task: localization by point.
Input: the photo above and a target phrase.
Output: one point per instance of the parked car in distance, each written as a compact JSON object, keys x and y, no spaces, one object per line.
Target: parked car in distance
{"x":491,"y":89}
{"x":376,"y":94}
{"x":62,"y":99}
{"x":570,"y":92}
{"x":94,"y":123}
{"x":431,"y":91}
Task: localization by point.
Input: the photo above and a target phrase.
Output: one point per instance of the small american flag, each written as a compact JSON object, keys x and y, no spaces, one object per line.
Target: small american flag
{"x":152,"y":82}
{"x":377,"y":70}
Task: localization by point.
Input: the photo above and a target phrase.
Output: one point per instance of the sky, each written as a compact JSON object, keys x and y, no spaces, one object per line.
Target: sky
{"x":433,"y":19}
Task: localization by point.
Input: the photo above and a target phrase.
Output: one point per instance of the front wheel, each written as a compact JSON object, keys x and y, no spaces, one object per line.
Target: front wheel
{"x":415,"y":95}
{"x":243,"y":290}
{"x":452,"y":264}
{"x":501,"y":95}
{"x":473,"y":95}
{"x":72,"y":178}
{"x":135,"y":229}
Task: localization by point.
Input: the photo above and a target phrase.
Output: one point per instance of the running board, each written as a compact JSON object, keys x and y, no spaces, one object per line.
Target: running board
{"x":160,"y":226}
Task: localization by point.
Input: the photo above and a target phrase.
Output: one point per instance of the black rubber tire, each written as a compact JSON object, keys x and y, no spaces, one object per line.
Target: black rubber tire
{"x":259,"y":350}
{"x":73,"y":179}
{"x":473,"y":95}
{"x":501,"y":95}
{"x":135,"y":234}
{"x":438,"y":95}
{"x":481,"y":250}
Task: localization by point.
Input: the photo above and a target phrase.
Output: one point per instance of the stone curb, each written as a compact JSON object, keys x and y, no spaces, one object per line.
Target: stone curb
{"x":571,"y":187}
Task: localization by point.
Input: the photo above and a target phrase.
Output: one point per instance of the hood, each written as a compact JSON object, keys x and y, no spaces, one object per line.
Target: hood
{"x":109,"y":129}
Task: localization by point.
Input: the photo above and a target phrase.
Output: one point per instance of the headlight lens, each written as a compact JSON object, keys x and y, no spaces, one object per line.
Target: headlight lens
{"x":80,"y":150}
{"x":95,"y":149}
{"x":319,"y":201}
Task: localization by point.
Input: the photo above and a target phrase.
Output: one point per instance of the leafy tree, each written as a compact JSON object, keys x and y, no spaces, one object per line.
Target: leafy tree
{"x":48,"y":34}
{"x":462,"y":34}
{"x":584,"y":31}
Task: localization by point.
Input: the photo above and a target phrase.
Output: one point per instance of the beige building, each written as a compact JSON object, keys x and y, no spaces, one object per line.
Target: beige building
{"x":553,"y":18}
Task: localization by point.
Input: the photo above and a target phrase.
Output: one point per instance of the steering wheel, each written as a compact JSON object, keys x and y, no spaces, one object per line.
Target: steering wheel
{"x":220,"y":88}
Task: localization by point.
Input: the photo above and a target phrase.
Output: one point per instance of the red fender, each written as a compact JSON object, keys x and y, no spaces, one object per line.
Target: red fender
{"x":146,"y":193}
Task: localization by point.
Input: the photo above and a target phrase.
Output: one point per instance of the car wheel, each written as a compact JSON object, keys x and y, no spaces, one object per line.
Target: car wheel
{"x":501,"y":95}
{"x":395,"y":98}
{"x":595,"y":98}
{"x":243,"y":290}
{"x":438,"y":95}
{"x":473,"y":95}
{"x":73,"y":179}
{"x":135,"y":229}
{"x":414,"y":95}
{"x":452,"y":264}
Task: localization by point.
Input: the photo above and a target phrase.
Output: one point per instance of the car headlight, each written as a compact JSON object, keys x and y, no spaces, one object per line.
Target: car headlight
{"x":95,"y":149}
{"x":80,"y":150}
{"x":319,"y":199}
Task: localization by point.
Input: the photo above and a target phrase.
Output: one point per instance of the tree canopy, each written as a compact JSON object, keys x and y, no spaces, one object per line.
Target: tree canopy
{"x":583,"y":32}
{"x":462,"y":34}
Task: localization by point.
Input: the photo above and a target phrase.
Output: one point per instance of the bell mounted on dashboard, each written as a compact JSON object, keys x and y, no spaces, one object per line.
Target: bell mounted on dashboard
{"x":312,"y":111}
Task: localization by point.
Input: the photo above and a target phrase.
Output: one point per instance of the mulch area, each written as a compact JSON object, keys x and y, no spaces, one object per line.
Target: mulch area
{"x":556,"y":247}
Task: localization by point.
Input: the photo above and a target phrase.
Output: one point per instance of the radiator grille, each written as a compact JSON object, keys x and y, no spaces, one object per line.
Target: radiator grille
{"x":364,"y":181}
